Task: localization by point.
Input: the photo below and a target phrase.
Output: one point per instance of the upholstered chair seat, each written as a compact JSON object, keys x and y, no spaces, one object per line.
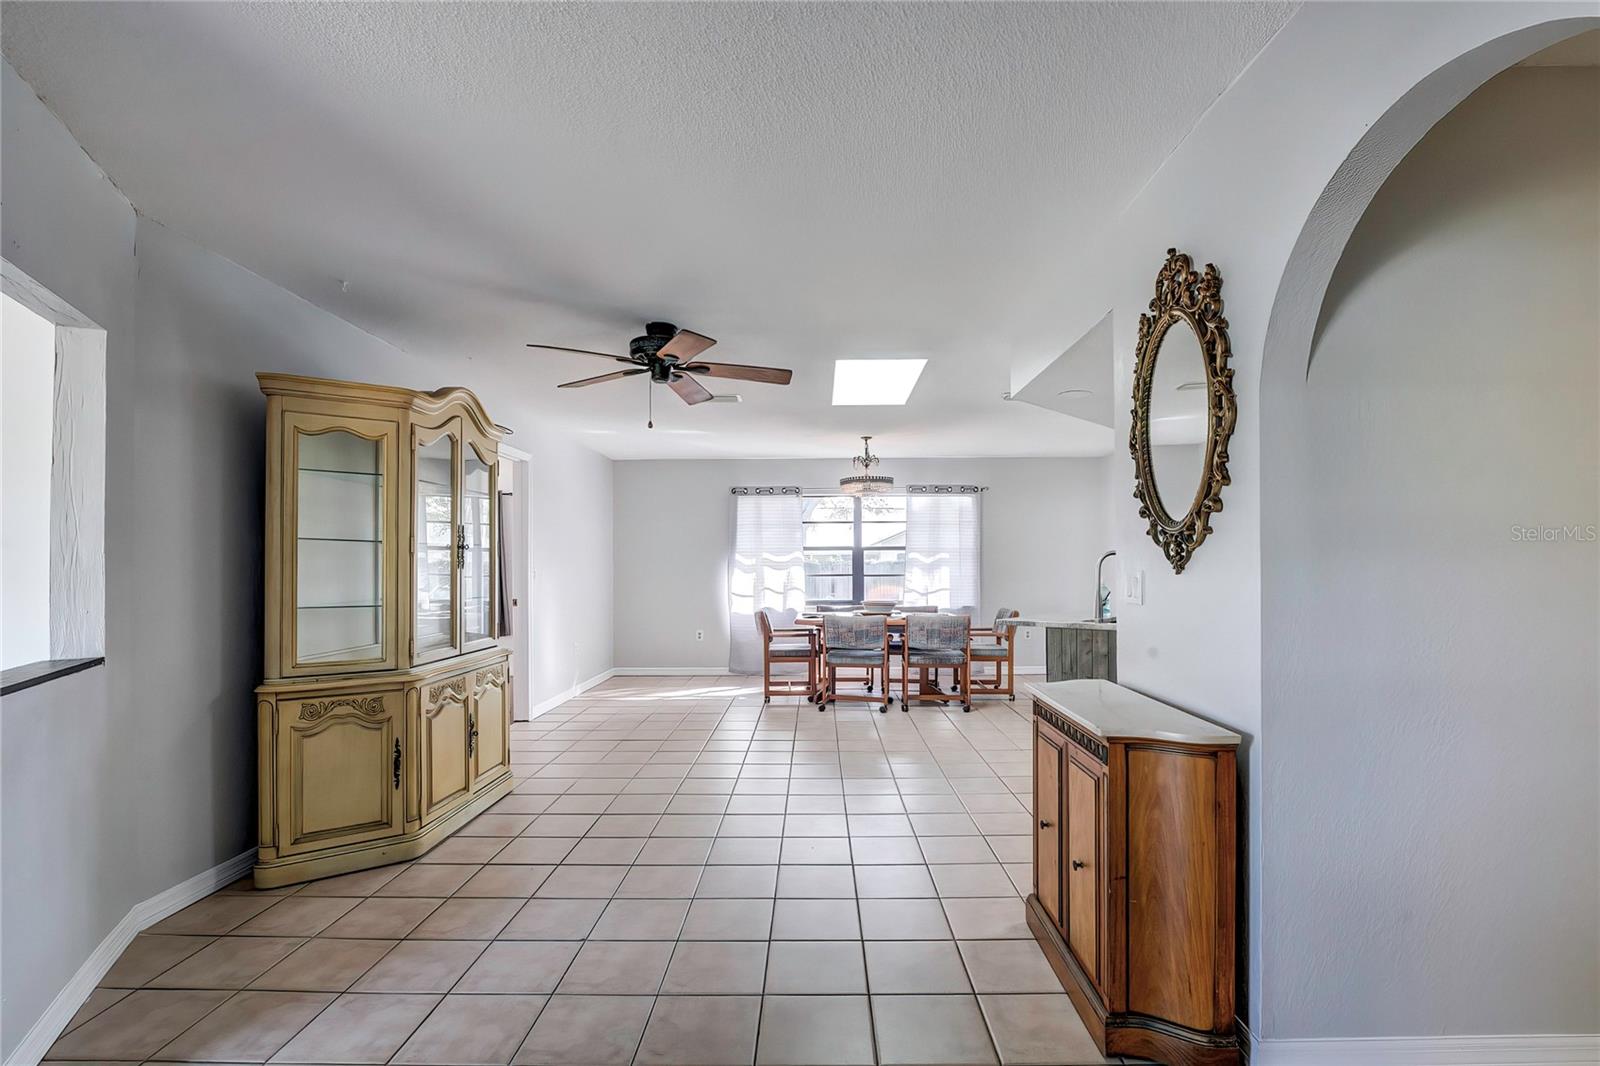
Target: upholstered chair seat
{"x":855,"y":656}
{"x":937,"y":657}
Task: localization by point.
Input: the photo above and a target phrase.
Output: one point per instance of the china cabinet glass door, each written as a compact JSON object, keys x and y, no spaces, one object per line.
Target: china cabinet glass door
{"x":338,"y":550}
{"x":437,"y":543}
{"x":477,"y":570}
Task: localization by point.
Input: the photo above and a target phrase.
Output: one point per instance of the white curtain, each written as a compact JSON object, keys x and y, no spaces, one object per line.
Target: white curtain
{"x":943,"y":556}
{"x":766,"y":569}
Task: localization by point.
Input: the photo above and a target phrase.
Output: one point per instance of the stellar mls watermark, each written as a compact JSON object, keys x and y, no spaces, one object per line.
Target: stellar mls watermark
{"x":1542,"y":534}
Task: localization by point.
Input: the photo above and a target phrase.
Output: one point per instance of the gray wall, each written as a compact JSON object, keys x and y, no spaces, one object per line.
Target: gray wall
{"x":123,"y":781}
{"x":66,"y":748}
{"x":1045,"y":522}
{"x":1430,"y":679}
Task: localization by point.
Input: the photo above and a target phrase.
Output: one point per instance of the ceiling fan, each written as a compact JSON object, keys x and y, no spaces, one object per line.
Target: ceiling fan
{"x":669,"y":355}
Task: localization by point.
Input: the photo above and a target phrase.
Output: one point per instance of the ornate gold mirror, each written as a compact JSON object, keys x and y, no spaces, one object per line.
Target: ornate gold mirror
{"x":1183,"y":408}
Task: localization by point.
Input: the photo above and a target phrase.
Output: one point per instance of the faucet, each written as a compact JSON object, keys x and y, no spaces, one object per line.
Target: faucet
{"x":1102,"y":603}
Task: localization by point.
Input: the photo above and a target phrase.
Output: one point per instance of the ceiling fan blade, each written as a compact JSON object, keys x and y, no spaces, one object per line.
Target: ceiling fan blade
{"x":772,"y":375}
{"x":685,"y":345}
{"x":582,"y":351}
{"x":613,"y":376}
{"x":688,"y":389}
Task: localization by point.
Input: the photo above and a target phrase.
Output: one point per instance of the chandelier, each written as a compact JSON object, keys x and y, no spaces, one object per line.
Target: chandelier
{"x":865,"y":482}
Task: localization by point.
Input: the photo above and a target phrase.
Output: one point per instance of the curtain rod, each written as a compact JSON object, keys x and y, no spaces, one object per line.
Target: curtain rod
{"x":795,"y":490}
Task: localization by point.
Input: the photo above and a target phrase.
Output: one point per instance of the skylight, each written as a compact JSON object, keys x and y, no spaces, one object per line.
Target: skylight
{"x":874,"y":382}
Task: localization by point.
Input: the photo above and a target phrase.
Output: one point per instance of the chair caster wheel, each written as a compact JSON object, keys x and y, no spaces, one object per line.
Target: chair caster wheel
{"x":966,"y":708}
{"x":884,"y":709}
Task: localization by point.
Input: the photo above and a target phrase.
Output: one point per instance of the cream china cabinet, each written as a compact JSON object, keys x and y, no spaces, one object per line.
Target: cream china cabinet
{"x":384,"y":717}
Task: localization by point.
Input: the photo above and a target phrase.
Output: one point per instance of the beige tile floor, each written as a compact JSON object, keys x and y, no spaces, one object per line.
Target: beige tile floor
{"x":682,"y":876}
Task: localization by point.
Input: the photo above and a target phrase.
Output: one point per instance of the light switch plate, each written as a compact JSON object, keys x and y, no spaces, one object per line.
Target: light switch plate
{"x":1133,"y":587}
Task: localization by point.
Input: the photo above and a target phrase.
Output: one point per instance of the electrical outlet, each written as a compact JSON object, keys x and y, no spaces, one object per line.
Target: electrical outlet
{"x":699,"y":634}
{"x":1027,"y":632}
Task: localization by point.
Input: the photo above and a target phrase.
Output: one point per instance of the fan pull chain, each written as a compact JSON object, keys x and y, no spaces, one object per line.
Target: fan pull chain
{"x":650,"y":405}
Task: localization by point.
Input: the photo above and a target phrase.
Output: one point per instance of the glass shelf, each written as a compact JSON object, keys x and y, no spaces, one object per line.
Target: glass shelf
{"x":340,"y":473}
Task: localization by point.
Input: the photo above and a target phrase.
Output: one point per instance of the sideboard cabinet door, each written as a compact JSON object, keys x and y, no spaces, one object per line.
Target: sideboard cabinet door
{"x":446,"y":741}
{"x":337,"y":770}
{"x":1049,"y":754}
{"x":1173,"y":886}
{"x":491,"y":709}
{"x":1085,"y":819}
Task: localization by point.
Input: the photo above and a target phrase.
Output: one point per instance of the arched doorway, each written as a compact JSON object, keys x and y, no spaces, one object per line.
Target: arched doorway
{"x":1429,"y":612}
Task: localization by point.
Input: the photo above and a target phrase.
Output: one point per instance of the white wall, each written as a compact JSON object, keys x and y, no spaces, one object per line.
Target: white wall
{"x":27,"y":398}
{"x":571,"y":514}
{"x":119,"y":782}
{"x":1432,"y":755}
{"x":1044,"y":526}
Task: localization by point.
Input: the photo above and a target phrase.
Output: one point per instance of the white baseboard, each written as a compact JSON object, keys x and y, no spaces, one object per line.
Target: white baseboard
{"x":50,"y":1024}
{"x":1531,"y":1050}
{"x":566,"y":694}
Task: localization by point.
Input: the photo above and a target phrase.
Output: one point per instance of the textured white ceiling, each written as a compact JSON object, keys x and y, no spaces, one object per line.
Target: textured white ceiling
{"x":803,"y":182}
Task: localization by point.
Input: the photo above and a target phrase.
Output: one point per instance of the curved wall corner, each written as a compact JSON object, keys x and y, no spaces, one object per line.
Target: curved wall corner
{"x":1429,"y":389}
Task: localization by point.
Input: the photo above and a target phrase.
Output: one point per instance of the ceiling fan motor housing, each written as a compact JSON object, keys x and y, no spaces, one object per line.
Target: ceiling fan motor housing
{"x":656,"y":336}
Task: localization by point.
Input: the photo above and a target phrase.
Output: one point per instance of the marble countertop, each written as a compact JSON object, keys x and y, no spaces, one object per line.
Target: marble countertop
{"x":1112,"y":712}
{"x":1063,"y":623}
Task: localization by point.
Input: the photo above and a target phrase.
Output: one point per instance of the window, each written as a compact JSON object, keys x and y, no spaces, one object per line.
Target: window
{"x":52,"y":441}
{"x":855,"y":548}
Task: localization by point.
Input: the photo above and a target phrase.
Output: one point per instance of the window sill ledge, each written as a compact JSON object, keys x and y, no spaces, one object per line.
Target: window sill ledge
{"x":22,"y":677}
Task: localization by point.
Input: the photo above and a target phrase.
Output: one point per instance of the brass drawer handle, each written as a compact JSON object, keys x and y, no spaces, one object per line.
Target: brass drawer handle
{"x":472,"y":733}
{"x":1078,"y":864}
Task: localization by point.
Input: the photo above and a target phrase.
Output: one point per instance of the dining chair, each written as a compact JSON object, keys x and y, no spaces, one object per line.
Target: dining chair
{"x":785,"y":643}
{"x":996,"y":646}
{"x":860,"y":642}
{"x":937,"y":641}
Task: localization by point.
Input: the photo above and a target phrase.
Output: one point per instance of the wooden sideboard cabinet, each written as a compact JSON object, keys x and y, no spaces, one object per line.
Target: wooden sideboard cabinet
{"x":1134,"y":865}
{"x":384,"y":719}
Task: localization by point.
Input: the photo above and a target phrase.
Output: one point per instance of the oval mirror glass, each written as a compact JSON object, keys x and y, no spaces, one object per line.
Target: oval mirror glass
{"x":1178,"y":419}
